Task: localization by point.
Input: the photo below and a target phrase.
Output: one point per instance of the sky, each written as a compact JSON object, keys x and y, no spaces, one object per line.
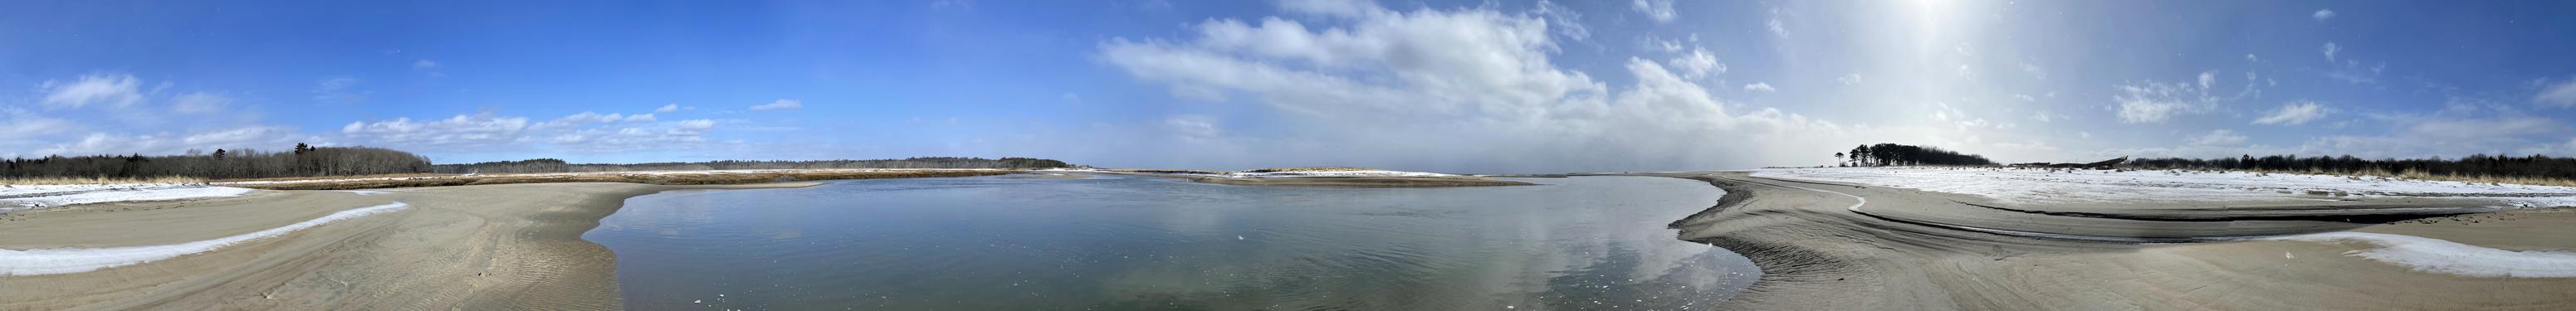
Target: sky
{"x":1451,"y":86}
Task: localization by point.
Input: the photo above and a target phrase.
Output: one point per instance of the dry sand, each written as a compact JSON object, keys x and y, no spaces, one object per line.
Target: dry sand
{"x":488,"y":247}
{"x":1817,"y":253}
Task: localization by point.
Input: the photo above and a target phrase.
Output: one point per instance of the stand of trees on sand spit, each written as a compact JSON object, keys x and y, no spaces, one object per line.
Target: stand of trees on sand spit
{"x":1894,"y":154}
{"x":236,"y":163}
{"x":559,"y":166}
{"x":2480,"y":165}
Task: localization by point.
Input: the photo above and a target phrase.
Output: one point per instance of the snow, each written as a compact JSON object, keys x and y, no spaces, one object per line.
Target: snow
{"x":2440,"y":256}
{"x":2042,"y":186}
{"x":15,"y":197}
{"x":75,"y":260}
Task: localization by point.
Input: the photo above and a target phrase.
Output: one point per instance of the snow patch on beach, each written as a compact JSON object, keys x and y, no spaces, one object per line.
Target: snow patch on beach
{"x":2440,"y":256}
{"x":2043,"y":186}
{"x":76,"y":260}
{"x":16,"y":197}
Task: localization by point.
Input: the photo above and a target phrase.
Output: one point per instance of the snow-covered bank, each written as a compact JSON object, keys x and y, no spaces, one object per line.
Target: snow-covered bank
{"x":2439,"y":256}
{"x":16,"y":197}
{"x":2042,"y":186}
{"x":76,"y":260}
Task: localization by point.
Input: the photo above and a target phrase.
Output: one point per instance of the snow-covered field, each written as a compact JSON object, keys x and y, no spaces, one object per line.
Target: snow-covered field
{"x":15,"y":197}
{"x":76,"y":260}
{"x":2439,"y":256}
{"x":2042,"y":186}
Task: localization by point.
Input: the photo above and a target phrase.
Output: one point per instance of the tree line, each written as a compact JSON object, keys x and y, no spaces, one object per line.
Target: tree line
{"x":303,"y":161}
{"x":559,"y":166}
{"x":2533,"y":166}
{"x":1894,"y":154}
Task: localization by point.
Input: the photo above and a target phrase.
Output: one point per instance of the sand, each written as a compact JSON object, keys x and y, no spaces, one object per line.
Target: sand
{"x":1352,"y":182}
{"x":487,"y":247}
{"x":1901,"y":251}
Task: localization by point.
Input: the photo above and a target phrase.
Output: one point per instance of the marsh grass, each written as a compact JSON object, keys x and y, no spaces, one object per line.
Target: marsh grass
{"x":1310,"y":169}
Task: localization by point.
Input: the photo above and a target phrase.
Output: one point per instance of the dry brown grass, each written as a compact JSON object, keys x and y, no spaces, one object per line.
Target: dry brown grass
{"x":685,"y":178}
{"x":99,"y":180}
{"x":2419,"y":175}
{"x":1311,"y":169}
{"x":336,"y":177}
{"x":1163,"y":171}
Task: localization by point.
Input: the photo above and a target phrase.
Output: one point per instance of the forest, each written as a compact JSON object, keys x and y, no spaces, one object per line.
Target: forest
{"x":306,"y":161}
{"x":224,"y":164}
{"x":1894,"y":154}
{"x":2479,"y":165}
{"x":559,"y":166}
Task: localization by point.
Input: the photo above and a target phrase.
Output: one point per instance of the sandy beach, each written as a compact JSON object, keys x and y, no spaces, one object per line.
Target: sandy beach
{"x":485,"y":247}
{"x":1851,"y":247}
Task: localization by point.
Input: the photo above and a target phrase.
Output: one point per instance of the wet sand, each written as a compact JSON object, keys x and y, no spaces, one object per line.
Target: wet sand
{"x":1821,"y":247}
{"x":487,"y":247}
{"x":1442,"y":181}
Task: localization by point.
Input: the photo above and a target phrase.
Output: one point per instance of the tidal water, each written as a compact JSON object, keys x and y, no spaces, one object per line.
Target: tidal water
{"x":1143,"y":243}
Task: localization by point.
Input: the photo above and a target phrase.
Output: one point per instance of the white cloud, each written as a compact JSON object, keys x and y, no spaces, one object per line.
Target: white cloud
{"x":2207,"y":78}
{"x":1659,"y":10}
{"x":1426,"y":89}
{"x":2295,"y":113}
{"x":2154,"y":102}
{"x":1760,"y":86}
{"x":2329,"y":49}
{"x":257,"y":137}
{"x":1777,"y":28}
{"x":2250,"y":57}
{"x":667,"y":108}
{"x":424,"y":64}
{"x":1849,"y":79}
{"x":200,"y":102}
{"x":481,"y":129}
{"x":2322,"y":15}
{"x":2562,"y":94}
{"x":2218,"y":137}
{"x":1699,"y":63}
{"x":116,"y":90}
{"x":780,"y":104}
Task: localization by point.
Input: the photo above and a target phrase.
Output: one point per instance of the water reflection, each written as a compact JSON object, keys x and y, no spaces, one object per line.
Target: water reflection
{"x":1127,"y":243}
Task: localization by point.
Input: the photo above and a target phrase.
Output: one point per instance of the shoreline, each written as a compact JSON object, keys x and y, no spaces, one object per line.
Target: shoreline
{"x":1343,"y":182}
{"x":1815,"y":254}
{"x":470,"y":247}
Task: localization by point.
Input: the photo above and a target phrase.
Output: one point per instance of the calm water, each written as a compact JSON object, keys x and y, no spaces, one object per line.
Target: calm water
{"x":1130,"y":243}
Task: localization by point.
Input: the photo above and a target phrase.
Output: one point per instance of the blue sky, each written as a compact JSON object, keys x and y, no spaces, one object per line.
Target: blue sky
{"x":1464,"y":86}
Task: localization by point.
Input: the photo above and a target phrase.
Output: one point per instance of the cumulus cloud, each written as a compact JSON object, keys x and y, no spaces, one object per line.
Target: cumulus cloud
{"x":780,"y":104}
{"x":1445,"y":89}
{"x":1759,"y":86}
{"x":115,"y":90}
{"x":2295,"y":113}
{"x":2561,"y":95}
{"x":1699,"y":63}
{"x":2322,"y":15}
{"x":1774,"y":24}
{"x":1659,"y":10}
{"x":667,"y":108}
